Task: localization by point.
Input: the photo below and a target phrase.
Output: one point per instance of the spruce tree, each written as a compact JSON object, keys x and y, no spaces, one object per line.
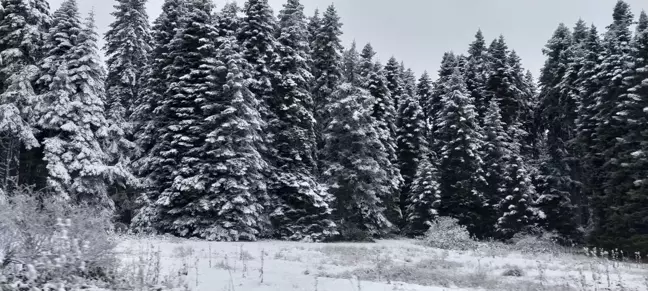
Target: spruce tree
{"x":412,"y":146}
{"x":257,"y":38}
{"x":314,"y":24}
{"x":384,"y":115}
{"x":516,"y":209}
{"x":476,"y":74}
{"x":424,"y":198}
{"x":354,"y":159}
{"x":632,"y":148}
{"x":23,"y":29}
{"x":237,"y":188}
{"x":394,"y":81}
{"x":434,"y":106}
{"x":500,"y":85}
{"x":301,"y":211}
{"x":351,"y":65}
{"x":180,"y":206}
{"x":611,"y":171}
{"x":424,"y":90}
{"x":461,"y":174}
{"x":72,"y":112}
{"x":555,"y":177}
{"x":127,"y":47}
{"x":327,"y":67}
{"x":150,"y":114}
{"x":497,"y":155}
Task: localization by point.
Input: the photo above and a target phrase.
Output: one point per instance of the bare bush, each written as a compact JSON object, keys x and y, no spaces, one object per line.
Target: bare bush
{"x":446,"y":233}
{"x":40,"y":249}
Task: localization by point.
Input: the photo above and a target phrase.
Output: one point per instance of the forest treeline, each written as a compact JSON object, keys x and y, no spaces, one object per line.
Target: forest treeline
{"x":239,"y":124}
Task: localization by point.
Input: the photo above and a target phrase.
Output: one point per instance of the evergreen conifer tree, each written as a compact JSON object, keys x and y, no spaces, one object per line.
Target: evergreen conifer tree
{"x":302,"y":211}
{"x":150,"y":114}
{"x":461,"y":165}
{"x":182,"y":210}
{"x":354,"y":159}
{"x":23,"y":29}
{"x":412,"y":146}
{"x":72,"y":112}
{"x":423,"y":198}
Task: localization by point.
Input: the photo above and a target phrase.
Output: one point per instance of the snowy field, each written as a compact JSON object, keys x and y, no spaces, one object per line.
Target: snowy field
{"x":178,"y":264}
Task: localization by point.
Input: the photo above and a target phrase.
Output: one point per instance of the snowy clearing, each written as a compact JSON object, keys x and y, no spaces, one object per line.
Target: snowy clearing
{"x":180,"y":264}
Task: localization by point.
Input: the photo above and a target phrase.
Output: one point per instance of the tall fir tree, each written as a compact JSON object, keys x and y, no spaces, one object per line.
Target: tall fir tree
{"x":384,"y":116}
{"x":433,"y":108}
{"x":150,"y":114}
{"x":23,"y":30}
{"x":257,"y":37}
{"x":127,"y":47}
{"x":424,"y":198}
{"x":461,"y":166}
{"x":477,"y":73}
{"x":354,"y":159}
{"x":497,"y":155}
{"x":611,"y":173}
{"x":327,"y":67}
{"x":302,"y":210}
{"x":394,"y":80}
{"x":424,"y":90}
{"x":351,"y":65}
{"x":555,"y":180}
{"x":237,"y":187}
{"x":412,"y":147}
{"x":72,"y":113}
{"x":632,"y":147}
{"x":180,"y":205}
{"x":585,"y":123}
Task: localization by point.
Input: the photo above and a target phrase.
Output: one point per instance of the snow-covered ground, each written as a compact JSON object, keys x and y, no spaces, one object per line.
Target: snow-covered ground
{"x":385,"y":265}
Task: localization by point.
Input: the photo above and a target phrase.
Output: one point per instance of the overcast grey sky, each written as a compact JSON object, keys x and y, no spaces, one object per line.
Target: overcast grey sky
{"x":418,"y":32}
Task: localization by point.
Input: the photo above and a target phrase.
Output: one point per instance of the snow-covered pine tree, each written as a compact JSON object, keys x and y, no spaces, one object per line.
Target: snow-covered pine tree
{"x":127,"y":48}
{"x":366,"y":64}
{"x":385,"y":123}
{"x":433,"y":107}
{"x":555,"y":180}
{"x":351,"y":65}
{"x":23,"y":29}
{"x":354,"y":159}
{"x":424,"y":90}
{"x":586,"y":123}
{"x":500,"y":85}
{"x":623,"y":138}
{"x":72,"y":113}
{"x":326,"y":52}
{"x":611,"y":173}
{"x":424,"y":198}
{"x":633,"y":148}
{"x":150,"y":115}
{"x":461,"y":166}
{"x":497,"y":155}
{"x":409,"y":81}
{"x":237,"y":190}
{"x":227,"y":21}
{"x":257,"y":37}
{"x":182,"y":207}
{"x":301,"y":210}
{"x":394,"y":81}
{"x":412,"y":145}
{"x":516,"y":209}
{"x":314,"y":24}
{"x":476,"y":74}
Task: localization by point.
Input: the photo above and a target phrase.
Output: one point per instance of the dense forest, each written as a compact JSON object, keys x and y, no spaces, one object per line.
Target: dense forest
{"x":239,"y":124}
